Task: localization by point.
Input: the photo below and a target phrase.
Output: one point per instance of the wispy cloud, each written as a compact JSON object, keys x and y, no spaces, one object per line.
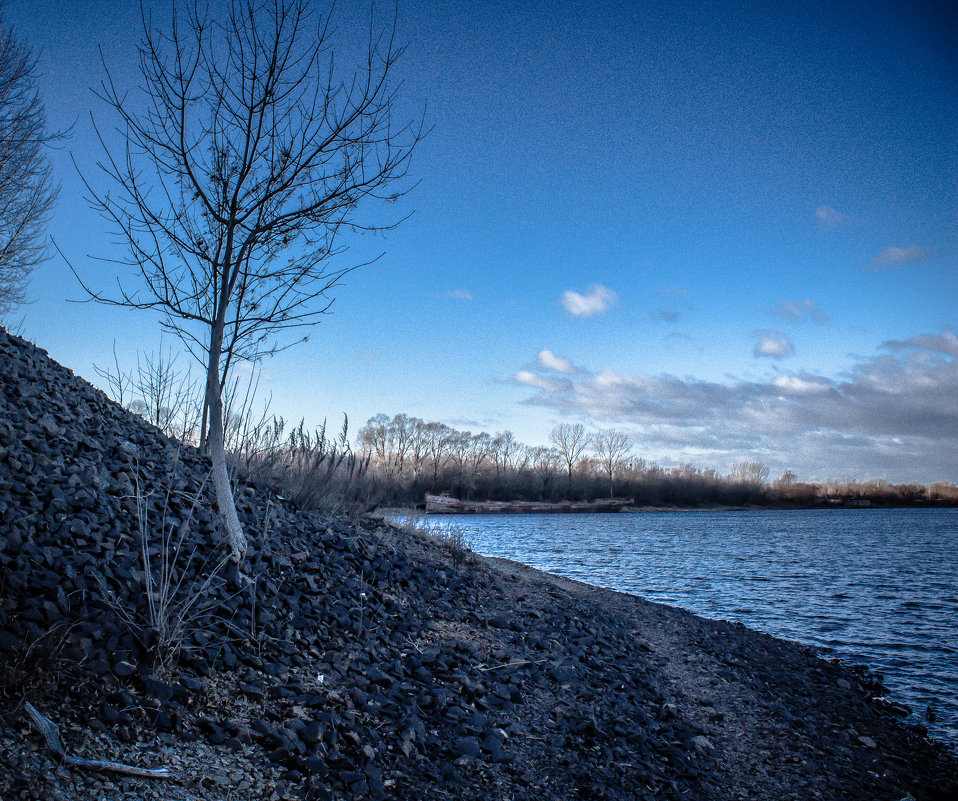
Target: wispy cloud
{"x":367,"y":356}
{"x":459,"y":294}
{"x":547,"y":360}
{"x":890,"y":414}
{"x":772,"y":344}
{"x":254,"y":371}
{"x":829,"y":218}
{"x":597,"y":300}
{"x":946,"y":343}
{"x":804,"y":310}
{"x":545,"y":383}
{"x":893,"y":256}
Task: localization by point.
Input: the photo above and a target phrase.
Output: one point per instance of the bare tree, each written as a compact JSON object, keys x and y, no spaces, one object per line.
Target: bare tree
{"x":460,"y":448}
{"x":404,"y":429}
{"x":611,"y":448}
{"x":502,"y":450}
{"x":753,"y":473}
{"x":480,"y":448}
{"x":438,"y":439}
{"x":545,"y":461}
{"x":157,"y":391}
{"x":786,"y":479}
{"x":27,"y":190}
{"x":418,"y":447}
{"x":250,"y":158}
{"x":570,"y":440}
{"x":376,"y":439}
{"x":167,"y":394}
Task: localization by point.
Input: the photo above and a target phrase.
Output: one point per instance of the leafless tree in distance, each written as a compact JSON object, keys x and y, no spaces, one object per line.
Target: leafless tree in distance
{"x":545,"y":461}
{"x":247,"y":160}
{"x":611,"y":448}
{"x":502,"y":449}
{"x":27,"y":189}
{"x":439,"y":439}
{"x":571,"y":440}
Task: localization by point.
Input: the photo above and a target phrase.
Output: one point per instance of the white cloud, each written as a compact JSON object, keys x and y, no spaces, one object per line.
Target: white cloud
{"x":459,"y":294}
{"x":890,"y":414}
{"x":773,"y":344}
{"x":530,"y":379}
{"x":804,"y":310}
{"x":597,"y":300}
{"x":893,"y":255}
{"x":547,"y":360}
{"x":828,"y":218}
{"x":801,"y":384}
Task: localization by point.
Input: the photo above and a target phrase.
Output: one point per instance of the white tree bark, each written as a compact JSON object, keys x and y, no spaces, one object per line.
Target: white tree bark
{"x":216,"y":443}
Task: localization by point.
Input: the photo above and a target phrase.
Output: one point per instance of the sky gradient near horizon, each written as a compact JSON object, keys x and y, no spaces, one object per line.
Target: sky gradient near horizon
{"x":728,"y":229}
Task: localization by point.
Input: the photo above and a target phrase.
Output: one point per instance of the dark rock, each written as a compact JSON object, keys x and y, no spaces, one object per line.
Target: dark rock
{"x":311,"y":733}
{"x":162,"y":720}
{"x":192,"y":684}
{"x":283,"y":755}
{"x":109,"y":713}
{"x":316,"y":766}
{"x":466,"y":746}
{"x":252,"y":692}
{"x":276,"y":669}
{"x":161,"y":690}
{"x":9,"y":642}
{"x":266,"y":732}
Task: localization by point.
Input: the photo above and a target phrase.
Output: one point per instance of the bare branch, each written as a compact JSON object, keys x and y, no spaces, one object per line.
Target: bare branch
{"x":27,"y":189}
{"x":238,"y":175}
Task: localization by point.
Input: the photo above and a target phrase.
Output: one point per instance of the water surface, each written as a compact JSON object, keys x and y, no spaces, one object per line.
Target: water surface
{"x":874,"y":586}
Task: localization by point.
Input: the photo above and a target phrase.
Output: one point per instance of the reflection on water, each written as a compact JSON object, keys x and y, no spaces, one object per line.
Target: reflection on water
{"x":879,"y":587}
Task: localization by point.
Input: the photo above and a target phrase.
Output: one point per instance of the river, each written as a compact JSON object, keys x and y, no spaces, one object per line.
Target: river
{"x":878,"y":587}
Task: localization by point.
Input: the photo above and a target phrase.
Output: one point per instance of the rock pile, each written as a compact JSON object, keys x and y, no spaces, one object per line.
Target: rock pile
{"x":362,"y":668}
{"x":348,"y":660}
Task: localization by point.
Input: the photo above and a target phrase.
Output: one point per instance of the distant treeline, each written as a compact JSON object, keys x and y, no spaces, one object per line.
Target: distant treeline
{"x":409,"y":457}
{"x":397,"y":460}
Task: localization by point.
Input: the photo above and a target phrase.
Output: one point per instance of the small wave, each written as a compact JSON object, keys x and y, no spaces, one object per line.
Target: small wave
{"x":879,"y":587}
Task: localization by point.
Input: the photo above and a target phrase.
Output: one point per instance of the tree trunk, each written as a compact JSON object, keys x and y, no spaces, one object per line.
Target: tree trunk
{"x":216,"y":445}
{"x":203,"y":423}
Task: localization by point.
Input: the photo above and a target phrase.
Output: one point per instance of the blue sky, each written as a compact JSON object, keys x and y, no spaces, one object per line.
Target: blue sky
{"x":730,"y":229}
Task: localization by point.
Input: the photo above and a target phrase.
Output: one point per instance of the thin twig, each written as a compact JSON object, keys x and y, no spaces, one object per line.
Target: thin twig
{"x":519,"y":663}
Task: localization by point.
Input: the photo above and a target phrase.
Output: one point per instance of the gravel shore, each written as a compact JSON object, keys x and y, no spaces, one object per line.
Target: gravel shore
{"x":353,"y":659}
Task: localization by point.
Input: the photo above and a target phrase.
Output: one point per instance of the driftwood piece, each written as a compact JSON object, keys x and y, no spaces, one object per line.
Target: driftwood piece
{"x":446,"y":504}
{"x":51,"y":734}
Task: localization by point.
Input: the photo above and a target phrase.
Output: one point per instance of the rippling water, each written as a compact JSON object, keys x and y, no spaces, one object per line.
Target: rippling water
{"x":879,"y":587}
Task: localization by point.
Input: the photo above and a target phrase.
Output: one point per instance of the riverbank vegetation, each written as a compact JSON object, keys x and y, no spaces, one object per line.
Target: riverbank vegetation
{"x":396,"y":461}
{"x":409,"y":457}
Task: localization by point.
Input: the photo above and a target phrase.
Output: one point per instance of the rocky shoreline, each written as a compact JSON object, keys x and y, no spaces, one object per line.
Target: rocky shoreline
{"x":354,"y":659}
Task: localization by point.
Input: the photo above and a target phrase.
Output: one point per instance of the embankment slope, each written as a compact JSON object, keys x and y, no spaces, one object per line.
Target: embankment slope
{"x":356,"y":661}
